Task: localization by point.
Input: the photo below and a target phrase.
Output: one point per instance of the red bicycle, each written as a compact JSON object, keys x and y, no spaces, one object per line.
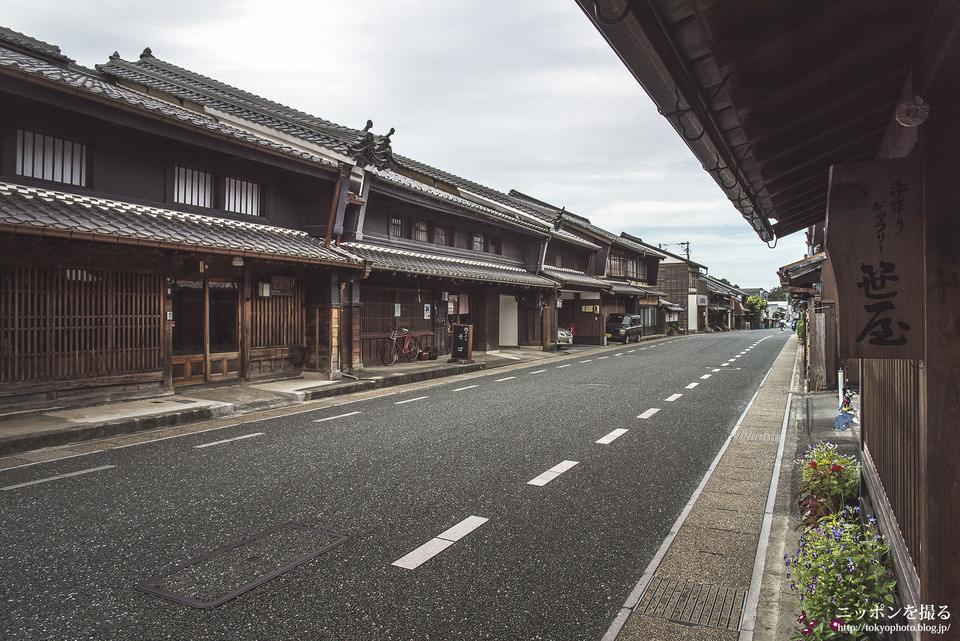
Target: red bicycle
{"x":400,"y":343}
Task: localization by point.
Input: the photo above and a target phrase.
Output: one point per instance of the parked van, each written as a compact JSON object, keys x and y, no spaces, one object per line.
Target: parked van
{"x":624,"y":327}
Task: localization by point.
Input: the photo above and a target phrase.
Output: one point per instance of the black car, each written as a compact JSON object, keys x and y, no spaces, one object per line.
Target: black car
{"x":624,"y":327}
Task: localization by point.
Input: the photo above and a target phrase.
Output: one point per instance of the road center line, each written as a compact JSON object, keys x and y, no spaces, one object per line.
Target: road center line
{"x":439,"y":543}
{"x":692,"y":385}
{"x":706,"y":376}
{"x":552,"y":473}
{"x":508,"y":378}
{"x":600,"y":358}
{"x":460,"y":389}
{"x":539,"y":371}
{"x":672,"y":397}
{"x":612,"y":436}
{"x":650,"y":412}
{"x":587,"y":361}
{"x":330,"y":418}
{"x":562,"y":366}
{"x":57,"y":477}
{"x":228,"y":440}
{"x":410,"y":400}
{"x":715,"y":370}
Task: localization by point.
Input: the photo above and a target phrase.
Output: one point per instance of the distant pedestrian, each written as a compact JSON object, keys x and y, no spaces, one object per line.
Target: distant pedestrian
{"x":781,"y":325}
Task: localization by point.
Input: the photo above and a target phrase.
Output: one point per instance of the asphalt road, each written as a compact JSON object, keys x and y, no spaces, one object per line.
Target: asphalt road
{"x":447,"y":538}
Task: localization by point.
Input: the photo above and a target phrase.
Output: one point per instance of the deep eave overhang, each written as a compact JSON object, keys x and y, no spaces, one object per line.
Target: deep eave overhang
{"x":769,"y":95}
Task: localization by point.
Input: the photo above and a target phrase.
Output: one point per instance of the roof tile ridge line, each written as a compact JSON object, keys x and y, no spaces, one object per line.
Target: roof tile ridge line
{"x":100,"y":202}
{"x":152,"y":61}
{"x":438,"y":193}
{"x":54,"y":50}
{"x":466,"y":181}
{"x":450,"y":259}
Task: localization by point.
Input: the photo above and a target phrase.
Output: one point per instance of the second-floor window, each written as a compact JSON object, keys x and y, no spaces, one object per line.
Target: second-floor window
{"x":192,"y":187}
{"x":479,"y":243}
{"x":396,"y":227}
{"x":49,"y":158}
{"x":440,"y":235}
{"x":241,"y":197}
{"x":420,"y":231}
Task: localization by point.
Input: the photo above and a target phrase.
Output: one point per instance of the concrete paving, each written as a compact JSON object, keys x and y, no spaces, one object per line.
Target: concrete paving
{"x":720,"y":573}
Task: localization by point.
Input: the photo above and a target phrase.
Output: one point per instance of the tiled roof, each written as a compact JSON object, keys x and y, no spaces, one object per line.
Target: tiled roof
{"x":16,"y":39}
{"x":549,"y":212}
{"x":411,"y":184}
{"x":571,"y":278}
{"x":88,"y":81}
{"x":33,"y":210}
{"x":620,"y":287}
{"x":410,"y":262}
{"x":187,"y":85}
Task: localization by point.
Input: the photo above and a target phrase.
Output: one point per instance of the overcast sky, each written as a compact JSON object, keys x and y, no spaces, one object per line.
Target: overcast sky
{"x":512,"y":94}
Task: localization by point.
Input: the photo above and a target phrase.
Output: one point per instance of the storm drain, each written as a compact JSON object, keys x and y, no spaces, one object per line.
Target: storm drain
{"x":693,"y":603}
{"x":749,"y":436}
{"x":214,"y":578}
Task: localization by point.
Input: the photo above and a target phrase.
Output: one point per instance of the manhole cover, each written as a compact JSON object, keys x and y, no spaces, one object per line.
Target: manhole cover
{"x":693,"y":603}
{"x":214,"y":578}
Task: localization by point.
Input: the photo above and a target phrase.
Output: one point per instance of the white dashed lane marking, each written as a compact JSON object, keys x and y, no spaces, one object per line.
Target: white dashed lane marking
{"x":228,"y":440}
{"x":612,"y":436}
{"x":439,"y":543}
{"x":330,"y":418}
{"x":650,"y":412}
{"x":552,"y":473}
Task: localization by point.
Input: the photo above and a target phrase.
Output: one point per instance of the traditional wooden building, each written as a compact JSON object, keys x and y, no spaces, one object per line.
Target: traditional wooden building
{"x":624,"y":273}
{"x":439,"y":249}
{"x":725,"y":309}
{"x":682,"y":283}
{"x":145,"y":244}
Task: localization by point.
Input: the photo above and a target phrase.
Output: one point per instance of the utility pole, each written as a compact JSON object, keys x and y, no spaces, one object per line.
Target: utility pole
{"x":684,"y":245}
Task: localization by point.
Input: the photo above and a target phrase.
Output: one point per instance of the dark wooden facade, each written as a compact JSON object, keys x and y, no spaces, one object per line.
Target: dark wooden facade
{"x":117,"y":280}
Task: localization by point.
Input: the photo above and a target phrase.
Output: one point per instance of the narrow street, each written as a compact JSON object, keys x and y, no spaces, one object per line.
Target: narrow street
{"x":523,"y":503}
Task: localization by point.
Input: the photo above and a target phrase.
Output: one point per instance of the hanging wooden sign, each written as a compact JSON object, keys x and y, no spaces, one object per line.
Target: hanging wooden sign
{"x":874,"y":239}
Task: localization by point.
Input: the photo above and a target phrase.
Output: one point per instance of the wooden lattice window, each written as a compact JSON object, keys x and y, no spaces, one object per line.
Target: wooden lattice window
{"x":192,"y":187}
{"x":241,"y":197}
{"x":69,"y":323}
{"x":49,"y":158}
{"x":277,"y":320}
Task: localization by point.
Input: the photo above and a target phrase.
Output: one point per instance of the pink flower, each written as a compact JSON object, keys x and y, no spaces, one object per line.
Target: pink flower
{"x":836,"y":468}
{"x":836,"y":624}
{"x":813,"y":465}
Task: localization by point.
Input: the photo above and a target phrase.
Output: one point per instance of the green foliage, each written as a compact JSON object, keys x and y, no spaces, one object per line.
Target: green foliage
{"x":756,"y":304}
{"x":672,"y":329}
{"x":777,"y":293}
{"x":830,"y":482}
{"x":840,"y":575}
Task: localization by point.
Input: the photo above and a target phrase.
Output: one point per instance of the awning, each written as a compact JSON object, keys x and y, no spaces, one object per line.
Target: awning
{"x":44,"y":212}
{"x":388,"y":259}
{"x":572,"y":279}
{"x":625,"y":289}
{"x":673,"y":307}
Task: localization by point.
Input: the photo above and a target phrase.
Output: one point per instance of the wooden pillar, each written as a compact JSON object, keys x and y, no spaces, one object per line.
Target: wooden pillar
{"x":939,"y":147}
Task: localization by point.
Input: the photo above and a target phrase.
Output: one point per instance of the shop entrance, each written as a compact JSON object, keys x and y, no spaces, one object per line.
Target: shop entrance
{"x":206,"y":330}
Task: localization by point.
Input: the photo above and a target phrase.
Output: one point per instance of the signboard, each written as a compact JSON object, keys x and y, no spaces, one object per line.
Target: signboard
{"x":462,"y":344}
{"x":874,"y":240}
{"x":283,"y":285}
{"x":396,"y":310}
{"x":426,"y":311}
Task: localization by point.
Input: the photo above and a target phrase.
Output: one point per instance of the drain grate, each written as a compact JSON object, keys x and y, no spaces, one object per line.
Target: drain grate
{"x":750,"y":436}
{"x":214,"y":578}
{"x":693,"y":603}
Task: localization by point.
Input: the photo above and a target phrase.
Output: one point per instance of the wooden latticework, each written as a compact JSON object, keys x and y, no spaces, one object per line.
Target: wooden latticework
{"x":61,"y":323}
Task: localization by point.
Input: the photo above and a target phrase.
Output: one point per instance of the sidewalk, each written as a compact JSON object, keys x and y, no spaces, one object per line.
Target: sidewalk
{"x":23,"y":433}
